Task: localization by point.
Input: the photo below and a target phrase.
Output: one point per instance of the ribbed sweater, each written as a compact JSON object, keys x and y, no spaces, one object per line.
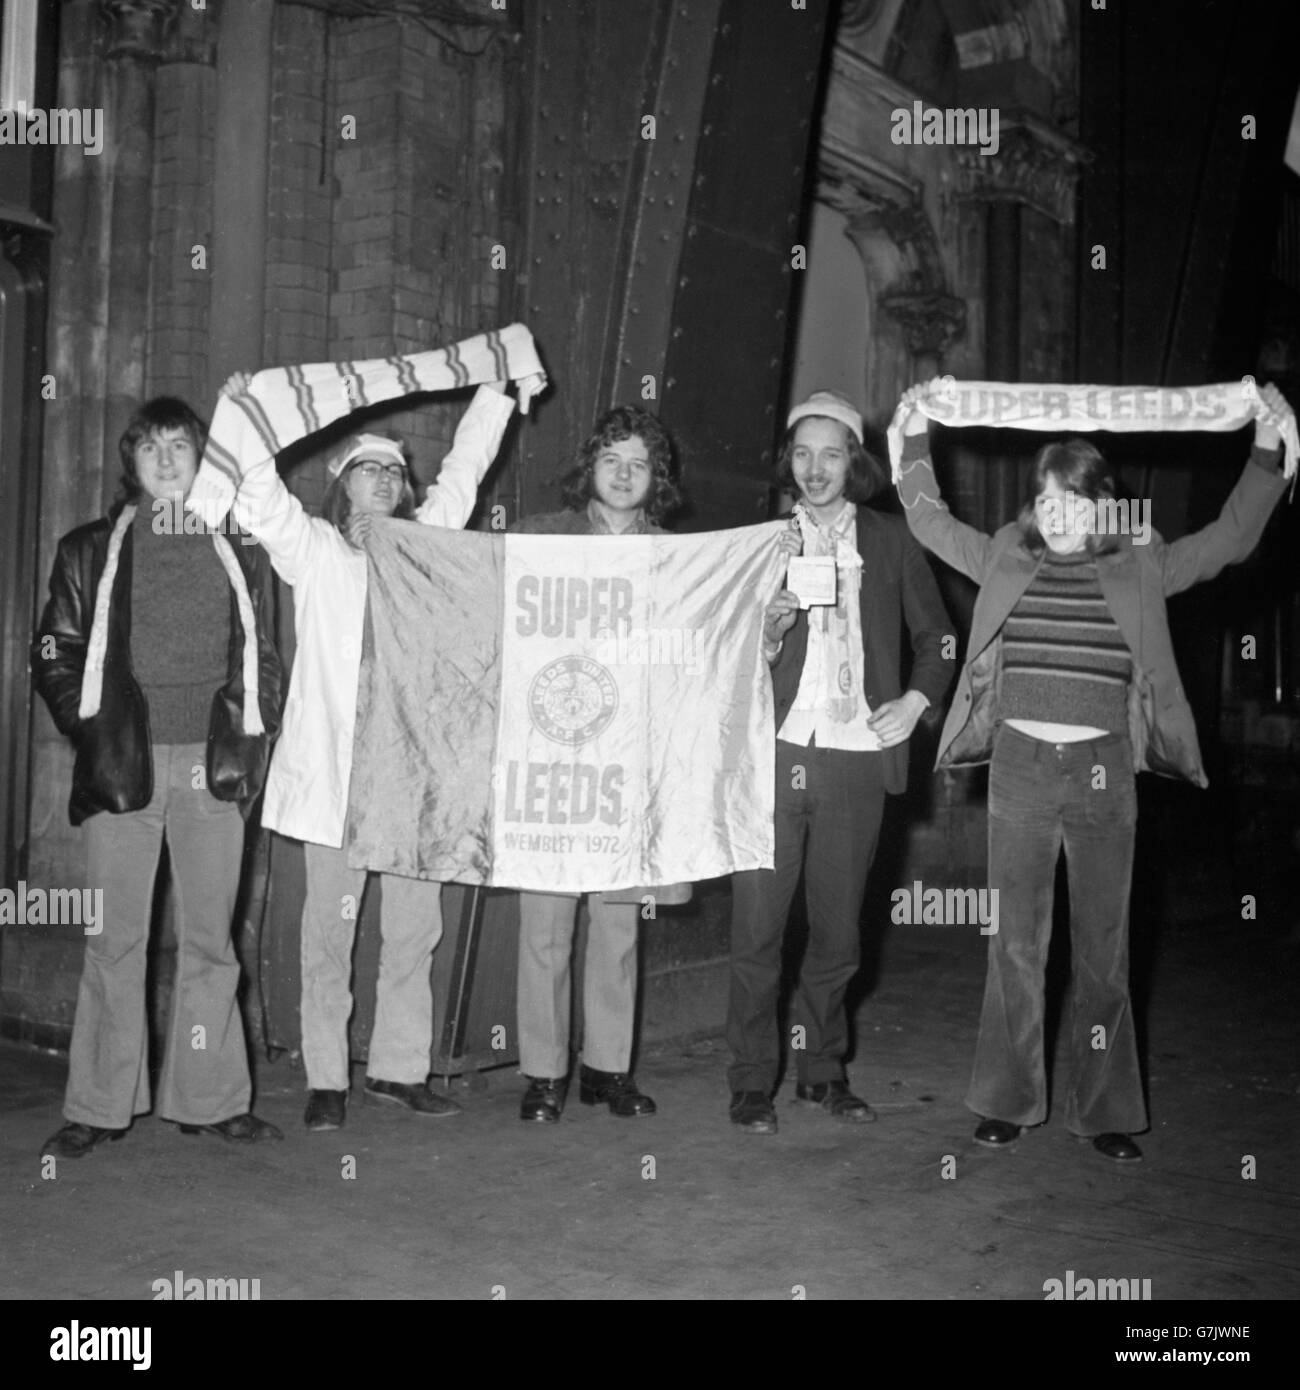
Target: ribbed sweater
{"x":180,"y":628}
{"x":1064,"y":661}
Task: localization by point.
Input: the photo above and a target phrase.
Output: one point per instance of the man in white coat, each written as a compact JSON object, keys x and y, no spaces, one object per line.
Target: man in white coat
{"x":308,"y":784}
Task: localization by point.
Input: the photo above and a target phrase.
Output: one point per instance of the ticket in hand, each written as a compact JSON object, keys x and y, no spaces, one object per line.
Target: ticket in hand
{"x":812,"y":579}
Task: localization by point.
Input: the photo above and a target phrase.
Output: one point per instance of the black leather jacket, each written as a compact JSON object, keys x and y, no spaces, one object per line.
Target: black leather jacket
{"x":114,"y":762}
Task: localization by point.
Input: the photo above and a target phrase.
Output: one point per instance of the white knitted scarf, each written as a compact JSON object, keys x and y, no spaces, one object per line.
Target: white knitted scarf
{"x":285,"y":404}
{"x":1121,"y":409}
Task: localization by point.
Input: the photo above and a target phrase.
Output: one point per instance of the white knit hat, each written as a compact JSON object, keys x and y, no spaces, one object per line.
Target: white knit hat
{"x":368,"y":446}
{"x":829,"y":403}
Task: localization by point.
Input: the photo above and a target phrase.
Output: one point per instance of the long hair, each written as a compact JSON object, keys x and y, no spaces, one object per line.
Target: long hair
{"x":577,"y":487}
{"x":867,"y":476}
{"x":337,"y":506}
{"x":1078,"y":467}
{"x":161,"y":413}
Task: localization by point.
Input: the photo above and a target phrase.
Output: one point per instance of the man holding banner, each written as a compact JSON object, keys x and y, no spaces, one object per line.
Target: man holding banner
{"x":833,"y":638}
{"x":1069,"y":689}
{"x":622,"y":485}
{"x":314,"y":775}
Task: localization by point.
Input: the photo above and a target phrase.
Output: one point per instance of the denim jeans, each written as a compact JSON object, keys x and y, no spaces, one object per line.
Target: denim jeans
{"x":829,"y":804}
{"x":1044,"y":797}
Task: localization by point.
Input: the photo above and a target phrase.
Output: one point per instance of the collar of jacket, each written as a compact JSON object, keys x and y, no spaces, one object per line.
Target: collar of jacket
{"x":600,"y":527}
{"x":92,"y":677}
{"x":1013,"y":570}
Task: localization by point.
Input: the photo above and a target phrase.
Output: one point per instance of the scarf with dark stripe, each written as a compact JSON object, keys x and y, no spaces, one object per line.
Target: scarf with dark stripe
{"x":285,"y":404}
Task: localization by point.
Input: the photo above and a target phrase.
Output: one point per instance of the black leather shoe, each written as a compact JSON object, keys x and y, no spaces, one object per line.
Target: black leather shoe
{"x":1119,"y":1147}
{"x":75,"y":1141}
{"x":996,"y":1134}
{"x":543,"y":1100}
{"x":239,"y":1129}
{"x":421,"y":1098}
{"x":615,"y":1089}
{"x":837,"y":1100}
{"x":753,"y":1111}
{"x":325,"y":1109}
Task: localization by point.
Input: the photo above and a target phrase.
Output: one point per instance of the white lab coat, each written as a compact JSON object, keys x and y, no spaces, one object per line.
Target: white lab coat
{"x":307,"y":786}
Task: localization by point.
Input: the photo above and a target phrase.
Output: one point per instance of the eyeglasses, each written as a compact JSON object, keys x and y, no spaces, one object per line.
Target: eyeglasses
{"x":370,"y":470}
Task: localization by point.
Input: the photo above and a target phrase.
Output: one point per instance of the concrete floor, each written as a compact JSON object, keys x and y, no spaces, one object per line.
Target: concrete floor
{"x":682,"y":1205}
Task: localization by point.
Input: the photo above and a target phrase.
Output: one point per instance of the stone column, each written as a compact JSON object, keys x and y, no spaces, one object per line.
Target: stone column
{"x":239,"y":218}
{"x":135,"y":41}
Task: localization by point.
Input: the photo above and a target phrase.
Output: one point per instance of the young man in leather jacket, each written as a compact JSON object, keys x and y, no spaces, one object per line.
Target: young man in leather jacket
{"x":155,"y":655}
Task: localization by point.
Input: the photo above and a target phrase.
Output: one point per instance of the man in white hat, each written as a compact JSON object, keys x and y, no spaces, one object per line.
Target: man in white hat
{"x":843,"y":721}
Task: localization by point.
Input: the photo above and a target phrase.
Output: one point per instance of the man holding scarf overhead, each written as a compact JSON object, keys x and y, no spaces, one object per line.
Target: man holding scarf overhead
{"x":1070,"y":689}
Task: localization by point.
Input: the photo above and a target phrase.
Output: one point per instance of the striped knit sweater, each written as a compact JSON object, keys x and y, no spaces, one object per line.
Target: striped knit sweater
{"x":1064,"y":661}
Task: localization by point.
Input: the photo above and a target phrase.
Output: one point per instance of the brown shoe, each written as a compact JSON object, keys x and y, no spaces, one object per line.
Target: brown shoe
{"x":414,"y":1097}
{"x":239,"y":1129}
{"x":543,"y":1100}
{"x":76,"y":1140}
{"x":837,"y":1100}
{"x":325,"y":1110}
{"x":753,"y":1111}
{"x":615,"y":1089}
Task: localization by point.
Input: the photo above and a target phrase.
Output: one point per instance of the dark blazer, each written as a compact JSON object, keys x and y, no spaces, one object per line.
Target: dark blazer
{"x":897,"y":586}
{"x":114,"y":759}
